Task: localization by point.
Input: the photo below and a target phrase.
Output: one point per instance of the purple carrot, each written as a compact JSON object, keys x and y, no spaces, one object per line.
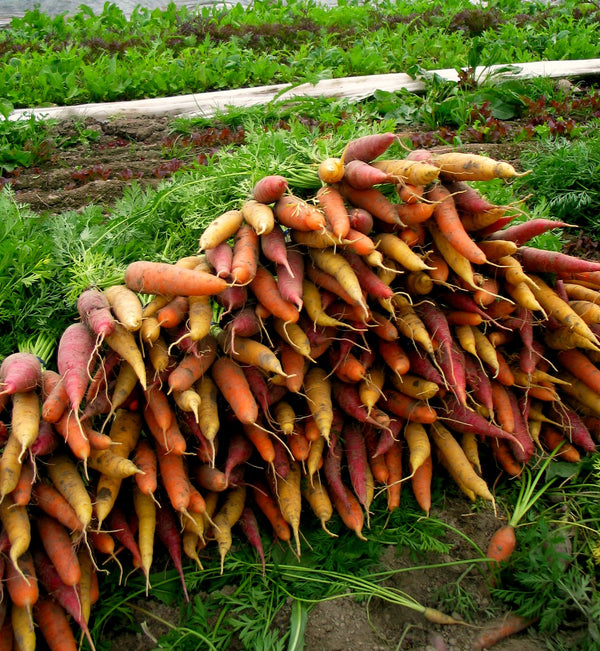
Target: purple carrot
{"x":232,"y":298}
{"x":290,"y":278}
{"x":422,"y":366}
{"x":368,"y":280}
{"x":388,"y":436}
{"x":347,"y":398}
{"x":281,"y":463}
{"x":94,"y":309}
{"x":361,"y":220}
{"x":357,"y":461}
{"x":468,"y":198}
{"x":524,"y":446}
{"x":20,"y":372}
{"x":249,"y":526}
{"x":541,"y":261}
{"x":120,"y":528}
{"x":452,"y":363}
{"x":274,"y":248}
{"x":47,"y":440}
{"x":239,"y":451}
{"x":167,"y":530}
{"x":220,"y":258}
{"x":479,"y":383}
{"x":576,"y":430}
{"x":465,"y":420}
{"x":332,"y":467}
{"x":522,"y":233}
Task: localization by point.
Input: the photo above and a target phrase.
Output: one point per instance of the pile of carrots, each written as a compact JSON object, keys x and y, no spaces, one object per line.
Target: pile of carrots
{"x":313,"y":352}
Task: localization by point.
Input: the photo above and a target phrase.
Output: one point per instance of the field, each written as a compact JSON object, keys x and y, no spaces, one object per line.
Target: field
{"x":83,"y":198}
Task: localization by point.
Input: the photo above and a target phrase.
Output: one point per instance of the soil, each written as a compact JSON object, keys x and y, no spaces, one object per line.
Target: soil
{"x":97,"y":170}
{"x":90,"y":161}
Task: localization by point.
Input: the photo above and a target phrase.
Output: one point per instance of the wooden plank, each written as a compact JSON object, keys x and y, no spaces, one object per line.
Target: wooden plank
{"x":353,"y":88}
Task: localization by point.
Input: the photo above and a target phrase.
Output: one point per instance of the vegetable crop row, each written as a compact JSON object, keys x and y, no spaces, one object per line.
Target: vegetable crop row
{"x":312,"y":353}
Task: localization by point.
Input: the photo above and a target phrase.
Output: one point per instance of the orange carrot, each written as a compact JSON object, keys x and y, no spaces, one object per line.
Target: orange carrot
{"x":296,"y":213}
{"x":264,"y":287}
{"x":246,"y":249}
{"x":421,"y":484}
{"x":231,"y":381}
{"x":393,"y":461}
{"x":57,"y":543}
{"x":164,"y":278}
{"x":54,"y":625}
{"x":448,"y":220}
{"x":508,"y":625}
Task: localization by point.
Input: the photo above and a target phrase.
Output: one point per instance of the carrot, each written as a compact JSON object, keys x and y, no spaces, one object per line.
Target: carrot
{"x":94,"y":310}
{"x":367,"y":148}
{"x":230,"y":380}
{"x":523,"y":232}
{"x":54,"y":626}
{"x":394,"y":248}
{"x":174,"y":479}
{"x":318,"y":395}
{"x":15,"y":521}
{"x":293,"y":212}
{"x":21,"y":582}
{"x":270,"y":188}
{"x":356,"y":458}
{"x":289,"y":499}
{"x":371,"y":200}
{"x":290,"y":277}
{"x":23,"y":628}
{"x":498,"y":631}
{"x":421,"y":484}
{"x":196,"y":360}
{"x":57,"y":544}
{"x":220,"y":229}
{"x":264,"y":287}
{"x":20,"y":372}
{"x":54,"y":397}
{"x":417,"y":411}
{"x":21,"y":493}
{"x":66,"y":596}
{"x":462,"y":419}
{"x":455,"y":259}
{"x":450,"y":225}
{"x":579,"y":365}
{"x":249,"y":351}
{"x":333,"y":207}
{"x":125,"y":305}
{"x":123,"y":342}
{"x":145,"y":509}
{"x":552,"y":439}
{"x":65,"y":476}
{"x":259,"y":215}
{"x":413,"y":172}
{"x":10,"y":465}
{"x":393,"y":461}
{"x":274,"y":248}
{"x":557,"y":308}
{"x":361,"y":175}
{"x":349,"y":510}
{"x":173,"y":313}
{"x":228,"y":514}
{"x":167,"y":530}
{"x":458,"y":166}
{"x":146,"y":277}
{"x":298,"y":443}
{"x":270,"y":508}
{"x":319,"y":501}
{"x":457,"y":463}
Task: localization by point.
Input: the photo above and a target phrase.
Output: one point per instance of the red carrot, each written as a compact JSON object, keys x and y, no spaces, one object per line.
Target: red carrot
{"x":274,"y":248}
{"x":356,"y":457}
{"x":220,"y":258}
{"x":249,"y":525}
{"x":74,"y":359}
{"x":167,"y":530}
{"x":541,"y":261}
{"x":20,"y":372}
{"x":238,"y":452}
{"x":94,"y":310}
{"x":521,"y":233}
{"x":290,"y":277}
{"x":270,"y":188}
{"x":368,"y":148}
{"x":361,"y":175}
